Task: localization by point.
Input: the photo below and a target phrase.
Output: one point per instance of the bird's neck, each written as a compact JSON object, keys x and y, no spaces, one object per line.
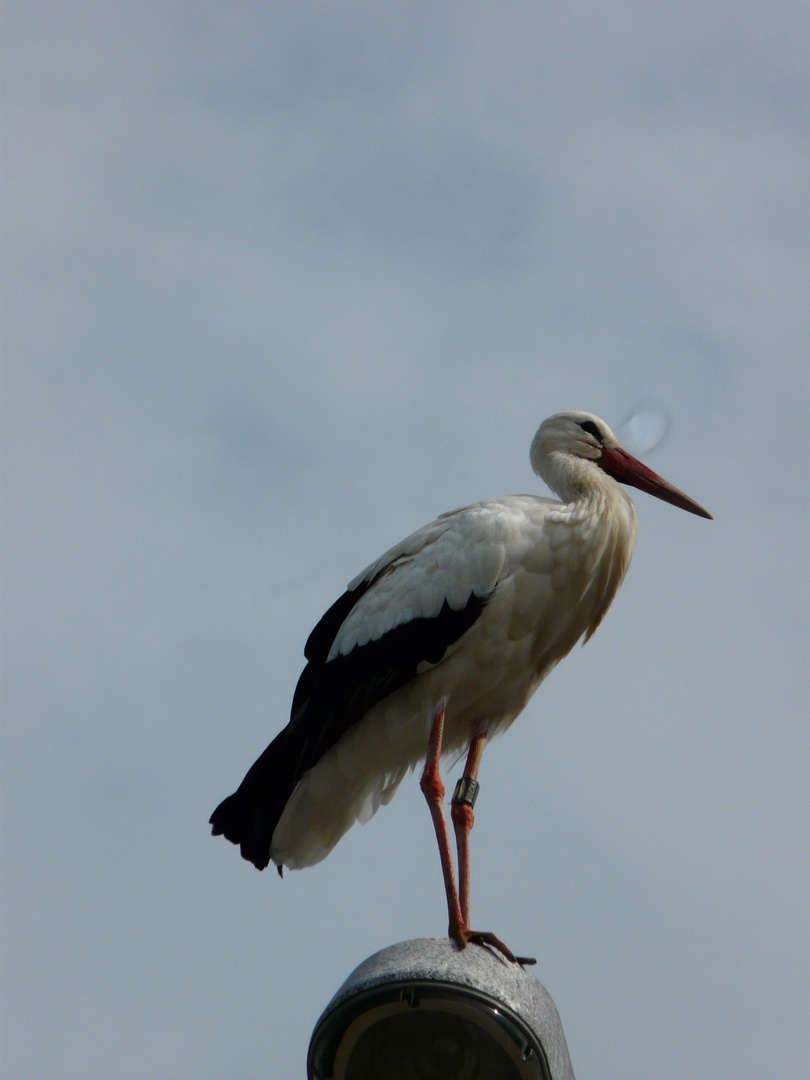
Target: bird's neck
{"x":603,"y":501}
{"x":588,"y":493}
{"x":601,"y":532}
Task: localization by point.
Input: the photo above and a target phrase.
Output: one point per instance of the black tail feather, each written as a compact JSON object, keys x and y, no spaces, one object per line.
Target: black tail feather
{"x":249,"y":816}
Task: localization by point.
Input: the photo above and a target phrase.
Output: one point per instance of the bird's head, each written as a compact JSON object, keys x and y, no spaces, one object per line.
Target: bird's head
{"x":570,"y":447}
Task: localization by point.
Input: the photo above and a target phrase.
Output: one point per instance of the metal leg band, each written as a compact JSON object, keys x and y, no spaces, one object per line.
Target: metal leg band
{"x":466,"y":792}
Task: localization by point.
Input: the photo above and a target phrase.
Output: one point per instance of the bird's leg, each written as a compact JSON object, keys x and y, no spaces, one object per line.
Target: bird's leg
{"x":463,"y":819}
{"x":463,"y":802}
{"x":433,"y":790}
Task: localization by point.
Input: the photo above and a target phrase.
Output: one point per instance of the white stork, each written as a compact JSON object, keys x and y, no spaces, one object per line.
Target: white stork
{"x":437,"y":646}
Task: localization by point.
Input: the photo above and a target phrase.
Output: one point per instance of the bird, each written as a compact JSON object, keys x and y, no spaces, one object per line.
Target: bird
{"x":437,"y":647}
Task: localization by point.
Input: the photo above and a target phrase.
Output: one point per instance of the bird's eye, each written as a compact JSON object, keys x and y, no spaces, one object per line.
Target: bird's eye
{"x":592,"y":429}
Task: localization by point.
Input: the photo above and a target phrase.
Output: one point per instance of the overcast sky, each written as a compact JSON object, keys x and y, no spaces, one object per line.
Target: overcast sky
{"x":282,"y":281}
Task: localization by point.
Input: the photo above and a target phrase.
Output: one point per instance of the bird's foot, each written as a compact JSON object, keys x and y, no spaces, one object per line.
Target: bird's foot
{"x":463,"y":936}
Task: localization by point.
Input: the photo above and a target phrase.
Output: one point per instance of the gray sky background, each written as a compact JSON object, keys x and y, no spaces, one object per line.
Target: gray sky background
{"x":282,"y":282}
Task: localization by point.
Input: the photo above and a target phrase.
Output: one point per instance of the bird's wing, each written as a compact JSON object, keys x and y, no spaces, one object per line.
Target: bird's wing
{"x":403,"y":612}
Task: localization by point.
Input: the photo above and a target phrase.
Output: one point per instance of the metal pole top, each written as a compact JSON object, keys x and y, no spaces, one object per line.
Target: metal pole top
{"x":424,"y":1008}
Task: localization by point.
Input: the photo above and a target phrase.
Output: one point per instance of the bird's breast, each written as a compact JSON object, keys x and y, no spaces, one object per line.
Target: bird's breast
{"x":556,"y":589}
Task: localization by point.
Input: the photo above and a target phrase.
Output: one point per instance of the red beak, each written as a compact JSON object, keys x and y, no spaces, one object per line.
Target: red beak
{"x":624,"y":467}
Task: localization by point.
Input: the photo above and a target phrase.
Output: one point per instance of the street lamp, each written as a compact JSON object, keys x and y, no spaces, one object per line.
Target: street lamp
{"x":424,"y":1010}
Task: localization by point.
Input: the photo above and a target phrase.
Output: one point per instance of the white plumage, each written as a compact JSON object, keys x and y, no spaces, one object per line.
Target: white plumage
{"x":468,"y":614}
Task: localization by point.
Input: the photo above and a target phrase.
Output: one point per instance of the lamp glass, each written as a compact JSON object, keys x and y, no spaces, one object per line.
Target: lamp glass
{"x":428,"y":1045}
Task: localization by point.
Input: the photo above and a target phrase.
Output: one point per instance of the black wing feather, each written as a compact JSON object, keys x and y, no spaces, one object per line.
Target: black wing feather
{"x":320,"y":640}
{"x":332,"y":696}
